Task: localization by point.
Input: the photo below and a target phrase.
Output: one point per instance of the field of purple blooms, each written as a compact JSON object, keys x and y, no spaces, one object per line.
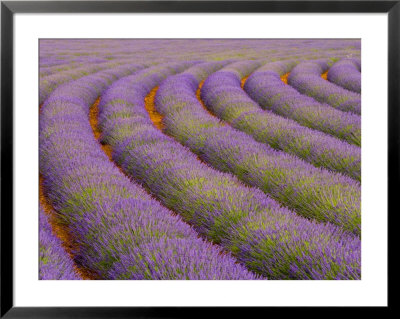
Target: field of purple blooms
{"x":200,"y":159}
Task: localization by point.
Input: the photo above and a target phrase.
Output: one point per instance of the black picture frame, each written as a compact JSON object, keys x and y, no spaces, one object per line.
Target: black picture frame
{"x":9,"y":8}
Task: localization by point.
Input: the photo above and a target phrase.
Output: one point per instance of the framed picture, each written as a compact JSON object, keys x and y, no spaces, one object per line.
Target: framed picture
{"x":165,"y":157}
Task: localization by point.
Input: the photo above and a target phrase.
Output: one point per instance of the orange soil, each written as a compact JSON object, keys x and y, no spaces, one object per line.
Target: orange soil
{"x":61,"y":230}
{"x":155,"y":117}
{"x":198,"y":93}
{"x":325,"y":75}
{"x":94,"y":123}
{"x":243,"y":81}
{"x":284,"y":78}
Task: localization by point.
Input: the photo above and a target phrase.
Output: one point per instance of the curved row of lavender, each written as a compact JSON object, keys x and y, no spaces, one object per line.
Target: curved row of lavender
{"x":68,"y":66}
{"x":222,"y":94}
{"x":119,"y":231}
{"x":306,"y":78}
{"x":267,"y":89}
{"x":346,"y":73}
{"x":269,"y":239}
{"x":312,"y":192}
{"x":49,"y":70}
{"x":49,"y":83}
{"x":54,"y":262}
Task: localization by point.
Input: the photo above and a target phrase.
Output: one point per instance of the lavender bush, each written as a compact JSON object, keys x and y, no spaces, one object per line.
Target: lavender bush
{"x":54,"y":262}
{"x":346,"y":73}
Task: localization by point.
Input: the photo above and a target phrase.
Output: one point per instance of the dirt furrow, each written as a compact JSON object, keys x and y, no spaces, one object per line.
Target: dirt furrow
{"x":155,"y":117}
{"x":198,"y":95}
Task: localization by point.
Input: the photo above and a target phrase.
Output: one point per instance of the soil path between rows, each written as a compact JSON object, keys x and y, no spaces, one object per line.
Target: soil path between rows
{"x":284,"y":77}
{"x":198,"y":95}
{"x":94,"y":123}
{"x":149,"y":102}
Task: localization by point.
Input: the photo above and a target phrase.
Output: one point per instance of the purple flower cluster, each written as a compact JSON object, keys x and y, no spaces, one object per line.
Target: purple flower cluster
{"x":346,"y":73}
{"x":266,"y":88}
{"x":306,"y":78}
{"x":223,"y":95}
{"x":54,"y":262}
{"x":119,"y":231}
{"x":267,"y":238}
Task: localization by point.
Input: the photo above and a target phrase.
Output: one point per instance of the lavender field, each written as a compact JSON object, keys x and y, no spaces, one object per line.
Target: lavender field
{"x":200,"y":159}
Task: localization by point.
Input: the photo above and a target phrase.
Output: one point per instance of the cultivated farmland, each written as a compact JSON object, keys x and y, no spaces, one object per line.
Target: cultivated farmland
{"x":200,"y":159}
